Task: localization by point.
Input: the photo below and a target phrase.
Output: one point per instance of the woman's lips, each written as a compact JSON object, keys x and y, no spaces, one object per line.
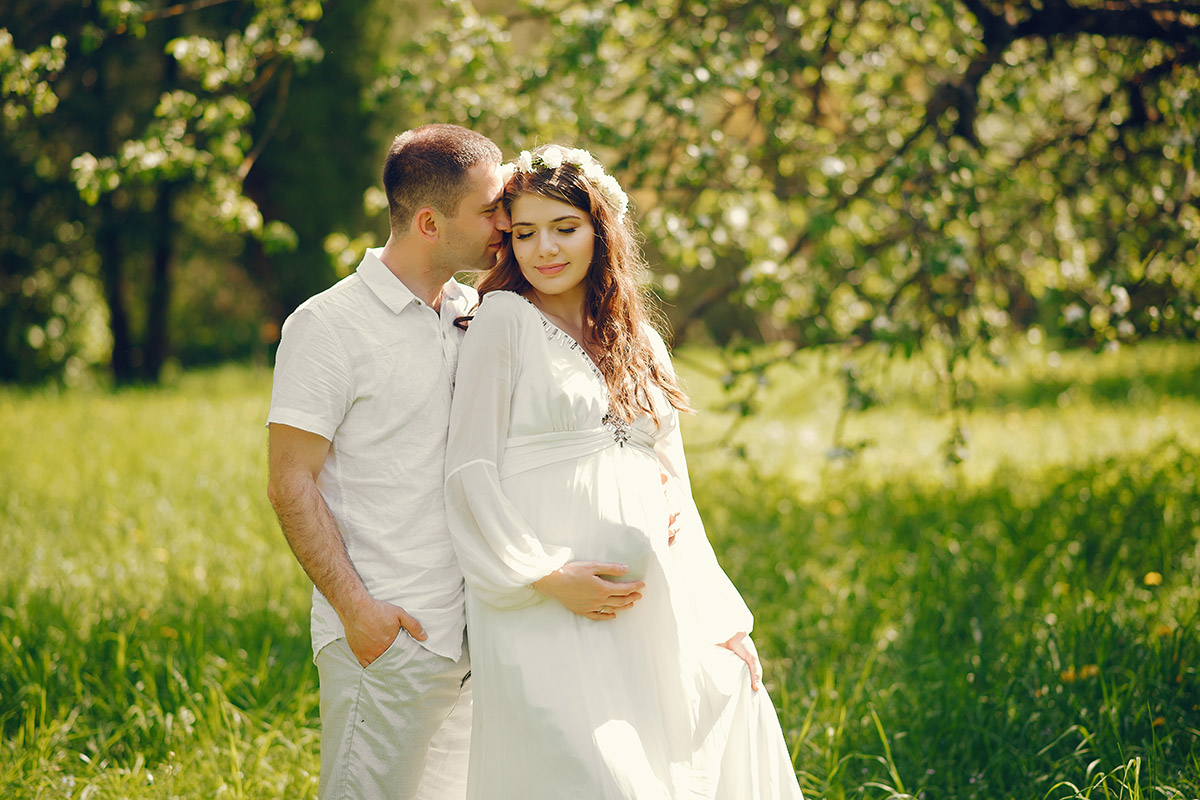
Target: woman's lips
{"x":551,"y":269}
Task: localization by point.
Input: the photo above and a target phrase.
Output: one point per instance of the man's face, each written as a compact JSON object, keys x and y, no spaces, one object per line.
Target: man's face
{"x":473,"y":234}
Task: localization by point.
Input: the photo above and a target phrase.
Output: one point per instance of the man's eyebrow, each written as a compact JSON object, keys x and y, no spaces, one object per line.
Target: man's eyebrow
{"x":556,"y":219}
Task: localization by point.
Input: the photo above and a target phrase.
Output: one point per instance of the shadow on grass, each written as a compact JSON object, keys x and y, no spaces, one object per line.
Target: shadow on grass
{"x":1006,"y":636}
{"x":1150,"y":383}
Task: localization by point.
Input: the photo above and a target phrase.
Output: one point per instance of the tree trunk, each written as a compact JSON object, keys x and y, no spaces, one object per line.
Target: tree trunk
{"x":157,"y":344}
{"x":108,"y":243}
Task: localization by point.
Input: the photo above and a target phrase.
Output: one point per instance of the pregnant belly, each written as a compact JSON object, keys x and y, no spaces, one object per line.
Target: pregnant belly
{"x":609,"y":507}
{"x":622,"y":544}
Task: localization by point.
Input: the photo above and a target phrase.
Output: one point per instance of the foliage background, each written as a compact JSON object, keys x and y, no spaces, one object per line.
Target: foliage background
{"x":927,"y":172}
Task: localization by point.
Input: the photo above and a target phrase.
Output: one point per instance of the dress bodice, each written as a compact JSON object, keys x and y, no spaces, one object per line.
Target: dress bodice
{"x":559,"y":387}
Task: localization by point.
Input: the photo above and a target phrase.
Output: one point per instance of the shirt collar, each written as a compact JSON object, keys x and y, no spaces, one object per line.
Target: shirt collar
{"x":392,"y":292}
{"x":457,"y":297}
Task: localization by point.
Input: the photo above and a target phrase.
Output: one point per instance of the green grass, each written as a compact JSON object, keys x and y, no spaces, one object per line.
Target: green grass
{"x":1025,"y":625}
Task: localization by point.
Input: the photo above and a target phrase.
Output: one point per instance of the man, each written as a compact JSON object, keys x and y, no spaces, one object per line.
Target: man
{"x":357,"y":430}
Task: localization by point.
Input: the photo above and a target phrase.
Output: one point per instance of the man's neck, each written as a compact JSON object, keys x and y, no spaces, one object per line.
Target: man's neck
{"x":421,"y":277}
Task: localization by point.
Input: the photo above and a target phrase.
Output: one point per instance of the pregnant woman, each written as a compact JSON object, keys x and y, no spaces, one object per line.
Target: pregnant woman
{"x":611,"y":658}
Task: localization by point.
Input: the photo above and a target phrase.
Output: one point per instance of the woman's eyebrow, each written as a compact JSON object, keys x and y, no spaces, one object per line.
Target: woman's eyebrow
{"x":556,"y":219}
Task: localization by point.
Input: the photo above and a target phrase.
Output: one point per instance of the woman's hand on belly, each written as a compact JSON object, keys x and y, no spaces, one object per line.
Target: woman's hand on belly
{"x":583,"y":588}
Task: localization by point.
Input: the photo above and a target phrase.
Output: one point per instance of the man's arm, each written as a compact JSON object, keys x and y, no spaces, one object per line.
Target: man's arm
{"x":295,"y":460}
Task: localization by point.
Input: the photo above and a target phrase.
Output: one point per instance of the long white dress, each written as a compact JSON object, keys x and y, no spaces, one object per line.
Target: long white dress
{"x":645,"y":706}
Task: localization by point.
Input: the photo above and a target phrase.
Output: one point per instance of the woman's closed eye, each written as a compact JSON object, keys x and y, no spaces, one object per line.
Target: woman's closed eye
{"x":564,"y":231}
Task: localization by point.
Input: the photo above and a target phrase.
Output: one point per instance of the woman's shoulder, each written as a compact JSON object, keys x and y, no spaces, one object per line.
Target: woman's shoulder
{"x":500,"y":308}
{"x":657,"y":345}
{"x":504,"y":301}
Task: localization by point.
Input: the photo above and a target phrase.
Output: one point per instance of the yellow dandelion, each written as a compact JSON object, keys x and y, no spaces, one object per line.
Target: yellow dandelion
{"x":1067,"y":675}
{"x":1163,"y":630}
{"x":1159,"y":722}
{"x":167,"y":632}
{"x":1153,"y":579}
{"x":1088,"y":671}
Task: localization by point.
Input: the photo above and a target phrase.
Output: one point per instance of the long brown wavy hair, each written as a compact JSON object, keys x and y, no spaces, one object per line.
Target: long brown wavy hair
{"x":616,"y":307}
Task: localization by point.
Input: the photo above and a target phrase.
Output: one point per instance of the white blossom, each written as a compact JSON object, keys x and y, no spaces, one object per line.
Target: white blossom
{"x":593,"y":171}
{"x":552,"y":157}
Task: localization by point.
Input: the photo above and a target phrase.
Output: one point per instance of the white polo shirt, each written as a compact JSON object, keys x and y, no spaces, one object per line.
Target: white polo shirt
{"x":370,"y":367}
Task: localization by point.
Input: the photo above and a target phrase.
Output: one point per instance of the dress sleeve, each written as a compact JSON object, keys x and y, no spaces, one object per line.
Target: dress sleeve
{"x":499,"y":553}
{"x":719,"y":611}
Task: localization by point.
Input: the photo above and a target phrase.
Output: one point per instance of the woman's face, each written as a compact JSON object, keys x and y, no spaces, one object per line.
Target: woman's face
{"x":553,"y":243}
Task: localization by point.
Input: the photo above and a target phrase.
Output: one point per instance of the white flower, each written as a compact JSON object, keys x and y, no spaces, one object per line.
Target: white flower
{"x":525,"y":161}
{"x":507,"y":171}
{"x":552,"y":157}
{"x":579,"y":158}
{"x":610,"y":186}
{"x":592,"y":171}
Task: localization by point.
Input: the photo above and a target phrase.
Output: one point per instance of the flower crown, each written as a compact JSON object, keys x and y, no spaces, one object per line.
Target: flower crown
{"x":554,"y":157}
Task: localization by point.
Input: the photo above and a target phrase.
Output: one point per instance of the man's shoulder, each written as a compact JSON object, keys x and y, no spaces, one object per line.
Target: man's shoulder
{"x":348,"y":290}
{"x":346,"y":302}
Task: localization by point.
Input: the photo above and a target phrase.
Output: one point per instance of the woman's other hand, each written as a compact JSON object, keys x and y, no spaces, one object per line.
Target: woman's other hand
{"x":583,"y":588}
{"x":673,"y":520}
{"x":743,"y":647}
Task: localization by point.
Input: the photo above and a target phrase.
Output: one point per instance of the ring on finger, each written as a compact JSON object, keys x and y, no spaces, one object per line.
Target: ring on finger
{"x":603,"y":609}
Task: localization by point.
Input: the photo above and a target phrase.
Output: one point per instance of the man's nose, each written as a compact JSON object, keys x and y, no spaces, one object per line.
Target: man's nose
{"x":502,"y":221}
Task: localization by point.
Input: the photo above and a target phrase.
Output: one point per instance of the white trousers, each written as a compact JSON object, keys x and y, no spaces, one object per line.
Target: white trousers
{"x":398,"y":729}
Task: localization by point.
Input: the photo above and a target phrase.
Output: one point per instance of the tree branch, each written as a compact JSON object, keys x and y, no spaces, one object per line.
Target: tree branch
{"x":285,"y":86}
{"x":863,"y":186}
{"x":1151,"y":22}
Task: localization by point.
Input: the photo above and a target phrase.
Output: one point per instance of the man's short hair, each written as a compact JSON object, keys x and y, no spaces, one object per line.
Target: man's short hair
{"x":427,"y":166}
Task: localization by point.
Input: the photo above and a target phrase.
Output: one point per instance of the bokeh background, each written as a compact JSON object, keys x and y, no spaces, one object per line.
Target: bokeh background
{"x":932,"y":272}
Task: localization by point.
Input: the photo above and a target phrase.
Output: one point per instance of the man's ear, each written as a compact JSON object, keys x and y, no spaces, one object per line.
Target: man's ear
{"x":425,"y":223}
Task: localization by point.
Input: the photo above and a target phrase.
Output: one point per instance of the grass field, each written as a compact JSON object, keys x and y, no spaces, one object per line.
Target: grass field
{"x":1024,"y":625}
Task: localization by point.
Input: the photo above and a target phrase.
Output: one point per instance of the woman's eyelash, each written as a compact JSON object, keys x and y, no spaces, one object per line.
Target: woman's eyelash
{"x":527,"y":235}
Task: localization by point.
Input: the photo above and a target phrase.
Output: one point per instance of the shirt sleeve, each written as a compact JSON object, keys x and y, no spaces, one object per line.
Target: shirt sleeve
{"x":499,"y":553}
{"x":718,"y":610}
{"x":313,"y":386}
